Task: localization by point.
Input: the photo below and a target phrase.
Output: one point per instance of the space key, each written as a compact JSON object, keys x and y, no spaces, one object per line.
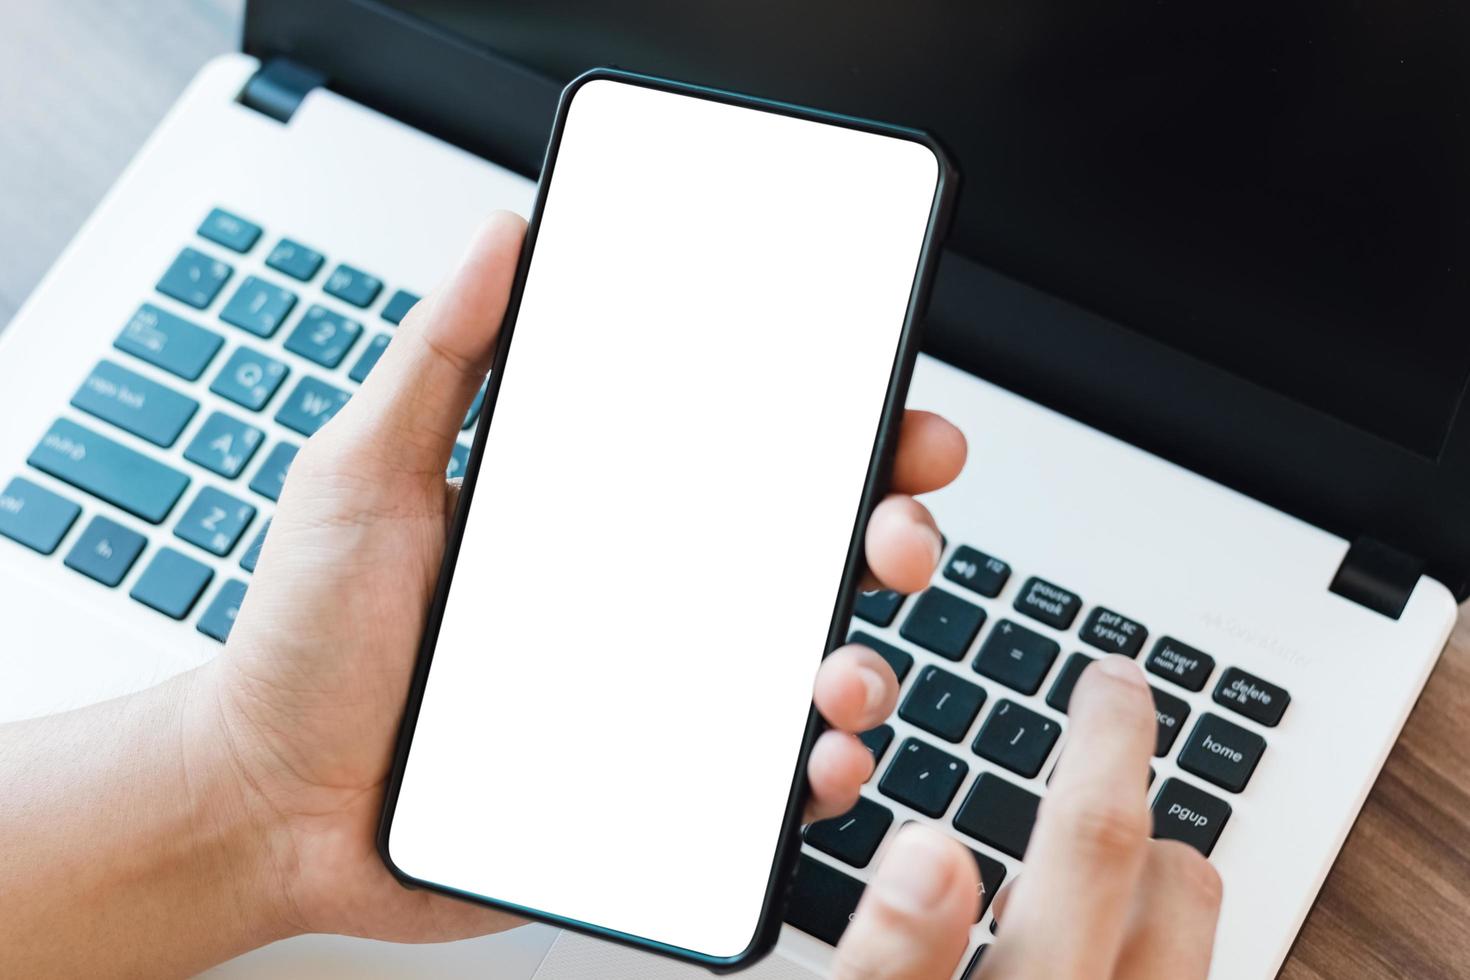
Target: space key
{"x":121,"y":476}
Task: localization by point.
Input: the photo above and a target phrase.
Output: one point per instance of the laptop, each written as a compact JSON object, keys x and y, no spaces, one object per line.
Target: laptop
{"x":1201,"y":318}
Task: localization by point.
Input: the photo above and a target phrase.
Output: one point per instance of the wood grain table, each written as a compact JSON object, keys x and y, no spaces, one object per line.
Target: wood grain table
{"x":82,"y":82}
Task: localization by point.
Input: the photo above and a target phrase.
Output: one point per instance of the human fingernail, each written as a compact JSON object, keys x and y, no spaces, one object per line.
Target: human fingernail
{"x":875,"y":690}
{"x":935,"y":541}
{"x":916,"y":872}
{"x":1121,"y":668}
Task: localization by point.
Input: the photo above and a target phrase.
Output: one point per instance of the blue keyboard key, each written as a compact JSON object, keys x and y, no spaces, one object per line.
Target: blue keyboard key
{"x":458,"y":457}
{"x":353,"y":286}
{"x":35,"y":516}
{"x":258,"y":306}
{"x":134,"y":404}
{"x":252,"y":554}
{"x":398,"y":306}
{"x":105,"y":551}
{"x":169,"y":342}
{"x":295,"y":260}
{"x":215,"y":521}
{"x":311,"y":405}
{"x":271,"y":476}
{"x":474,"y":412}
{"x":224,"y":445}
{"x":219,"y":615}
{"x":121,"y":476}
{"x":323,"y":336}
{"x":369,"y":358}
{"x":172,"y":583}
{"x":194,"y":278}
{"x":229,"y":230}
{"x":249,"y":378}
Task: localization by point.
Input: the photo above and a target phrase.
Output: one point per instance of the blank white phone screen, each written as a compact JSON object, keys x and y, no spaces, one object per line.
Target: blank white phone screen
{"x":610,"y":727}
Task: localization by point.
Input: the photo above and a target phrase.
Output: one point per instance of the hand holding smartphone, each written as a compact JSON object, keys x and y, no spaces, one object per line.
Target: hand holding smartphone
{"x":694,"y":400}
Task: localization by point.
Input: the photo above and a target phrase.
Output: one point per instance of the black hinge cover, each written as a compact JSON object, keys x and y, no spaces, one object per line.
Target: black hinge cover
{"x":278,"y":88}
{"x":1378,"y":576}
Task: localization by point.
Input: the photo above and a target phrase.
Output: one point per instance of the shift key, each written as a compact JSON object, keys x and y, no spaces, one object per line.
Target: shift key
{"x":121,"y":476}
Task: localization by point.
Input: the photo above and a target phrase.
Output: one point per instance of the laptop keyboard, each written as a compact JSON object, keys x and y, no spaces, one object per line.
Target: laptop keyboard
{"x":983,"y":704}
{"x":176,"y":516}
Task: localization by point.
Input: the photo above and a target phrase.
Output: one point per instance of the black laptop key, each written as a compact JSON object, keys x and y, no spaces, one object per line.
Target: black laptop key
{"x":942,"y":622}
{"x":1170,"y":714}
{"x":323,"y":336}
{"x":822,"y":900}
{"x":353,"y":286}
{"x":168,"y":342}
{"x":251,"y":556}
{"x":118,"y":474}
{"x":1017,"y":657}
{"x":1246,"y":694}
{"x":172,"y":583}
{"x":134,"y":403}
{"x":271,"y":477}
{"x":853,"y":837}
{"x":219,"y":616}
{"x":878,"y":606}
{"x":105,"y":551}
{"x":877,"y":741}
{"x":398,"y":306}
{"x":1183,"y":813}
{"x":1060,"y":695}
{"x":215,"y":521}
{"x":923,"y":777}
{"x":295,"y":260}
{"x":1017,"y":738}
{"x":1180,"y":663}
{"x":194,"y":278}
{"x":249,"y":378}
{"x":311,"y":405}
{"x":35,"y":516}
{"x":977,"y":571}
{"x":258,"y":306}
{"x":229,"y":230}
{"x":224,"y":445}
{"x":1048,"y":603}
{"x":992,"y":876}
{"x":1222,"y":752}
{"x":942,"y":704}
{"x":1113,"y":632}
{"x":899,"y":660}
{"x":998,"y":813}
{"x":368,"y":359}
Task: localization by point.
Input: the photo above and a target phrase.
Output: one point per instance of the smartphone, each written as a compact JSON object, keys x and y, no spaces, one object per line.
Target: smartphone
{"x":691,"y":411}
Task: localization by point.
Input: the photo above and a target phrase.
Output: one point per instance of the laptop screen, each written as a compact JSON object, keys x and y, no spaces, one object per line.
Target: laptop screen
{"x":1281,"y":188}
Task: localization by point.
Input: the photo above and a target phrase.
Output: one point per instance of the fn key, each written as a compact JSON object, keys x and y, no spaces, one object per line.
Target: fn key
{"x":822,"y":900}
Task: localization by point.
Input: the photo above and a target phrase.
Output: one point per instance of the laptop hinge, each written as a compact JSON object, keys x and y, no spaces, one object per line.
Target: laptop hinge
{"x":278,"y":88}
{"x":1378,"y":576}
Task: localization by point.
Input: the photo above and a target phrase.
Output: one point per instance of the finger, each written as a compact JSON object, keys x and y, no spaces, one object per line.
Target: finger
{"x":1171,"y":928}
{"x":1091,"y":839}
{"x":913,"y":922}
{"x":931,"y":453}
{"x":855,"y":689}
{"x":838,"y":766}
{"x":903,"y":544}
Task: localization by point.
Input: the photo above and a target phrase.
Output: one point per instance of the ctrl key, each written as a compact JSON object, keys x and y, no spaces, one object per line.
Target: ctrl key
{"x":35,"y":516}
{"x":822,"y":900}
{"x":1186,"y":814}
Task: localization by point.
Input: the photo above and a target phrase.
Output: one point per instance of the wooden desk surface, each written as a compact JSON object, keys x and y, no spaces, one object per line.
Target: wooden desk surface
{"x":81,"y":85}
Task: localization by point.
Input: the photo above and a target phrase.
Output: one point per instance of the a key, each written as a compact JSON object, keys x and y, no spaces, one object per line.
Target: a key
{"x":252,"y":553}
{"x":942,"y":704}
{"x":249,"y":378}
{"x":923,"y":777}
{"x":219,"y":615}
{"x":109,"y":470}
{"x":323,"y":336}
{"x":998,"y":813}
{"x":822,"y":900}
{"x":853,"y":837}
{"x":169,"y":342}
{"x":295,"y":260}
{"x":194,"y":278}
{"x":1017,"y":657}
{"x":1048,"y":603}
{"x":992,"y":876}
{"x":352,"y":286}
{"x":877,"y":741}
{"x":877,"y":606}
{"x":224,"y":445}
{"x":229,"y":230}
{"x":459,"y":458}
{"x":105,"y":551}
{"x":369,"y":358}
{"x":1060,"y":695}
{"x":977,"y":571}
{"x":1113,"y":632}
{"x":134,"y":404}
{"x":1170,"y":714}
{"x":215,"y":521}
{"x":1260,"y":701}
{"x":1222,"y":752}
{"x":271,"y":476}
{"x":1017,"y":738}
{"x":258,"y":306}
{"x":473,"y":415}
{"x":1183,"y":813}
{"x":311,"y":405}
{"x":942,"y":622}
{"x":35,"y":516}
{"x":1180,"y":663}
{"x":171,"y":583}
{"x":899,"y":660}
{"x":398,"y":306}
